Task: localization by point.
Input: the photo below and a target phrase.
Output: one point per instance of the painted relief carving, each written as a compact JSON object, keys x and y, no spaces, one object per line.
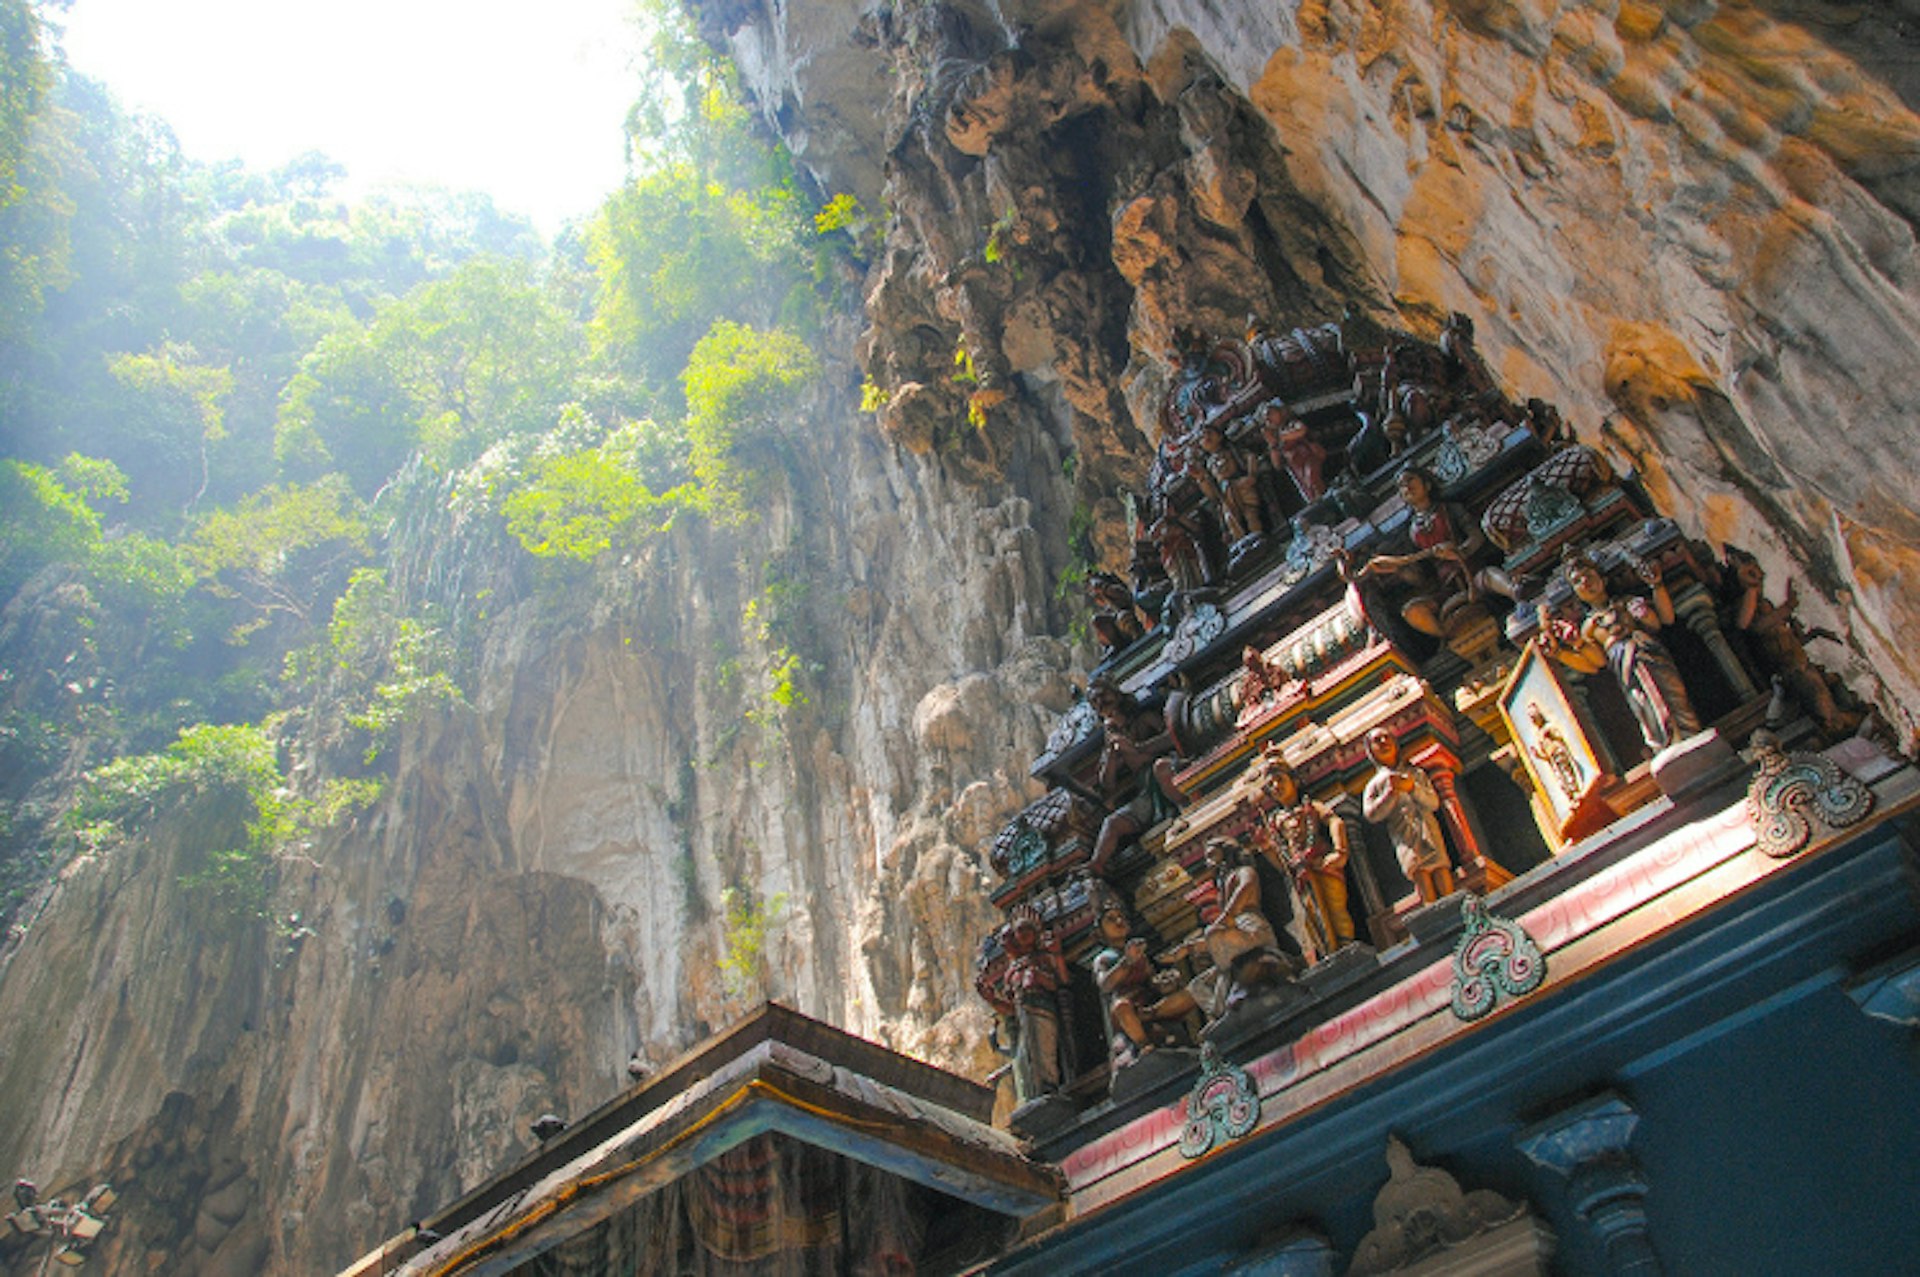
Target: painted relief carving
{"x":1494,"y":962}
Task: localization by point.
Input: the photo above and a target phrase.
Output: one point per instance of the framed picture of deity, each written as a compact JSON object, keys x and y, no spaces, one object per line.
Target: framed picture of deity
{"x":1553,"y":736}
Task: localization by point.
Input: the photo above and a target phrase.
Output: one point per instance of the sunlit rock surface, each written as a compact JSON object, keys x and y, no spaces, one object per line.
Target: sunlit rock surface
{"x":1690,"y":225}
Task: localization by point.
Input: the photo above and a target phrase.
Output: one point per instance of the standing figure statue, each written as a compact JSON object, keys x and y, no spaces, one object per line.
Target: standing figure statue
{"x":1229,"y":481}
{"x":1781,"y":641}
{"x":1467,"y":372}
{"x":1182,"y":556}
{"x":1550,"y":747}
{"x":1621,"y":635}
{"x":1313,"y":845}
{"x":1035,"y":981}
{"x":1402,"y":798}
{"x":1292,"y":450}
{"x":1136,"y":769}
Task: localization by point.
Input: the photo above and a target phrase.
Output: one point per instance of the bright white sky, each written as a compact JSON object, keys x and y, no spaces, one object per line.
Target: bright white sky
{"x":522,"y":99}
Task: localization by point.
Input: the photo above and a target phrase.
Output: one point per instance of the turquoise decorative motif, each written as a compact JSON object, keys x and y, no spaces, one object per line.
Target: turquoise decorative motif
{"x":1795,"y":796}
{"x":1223,"y":1105}
{"x":1029,"y":851}
{"x":1495,"y":961}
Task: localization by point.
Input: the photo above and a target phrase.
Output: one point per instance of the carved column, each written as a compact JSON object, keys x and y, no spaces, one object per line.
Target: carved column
{"x":1477,"y":869}
{"x":1695,"y":607}
{"x":1587,"y":1146}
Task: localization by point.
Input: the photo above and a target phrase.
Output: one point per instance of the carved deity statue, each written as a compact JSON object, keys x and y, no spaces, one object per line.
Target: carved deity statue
{"x":1402,"y":798}
{"x":1035,"y":984}
{"x":1148,"y":575}
{"x":1115,"y":622}
{"x":1621,"y":635}
{"x":1467,"y":372}
{"x":1780,"y":641}
{"x":1136,"y":769}
{"x":1229,"y":480}
{"x":1312,"y":845}
{"x":1144,"y":1002}
{"x":1440,"y":576}
{"x":1408,"y":384}
{"x":1239,"y":940}
{"x":1551,"y":748}
{"x":1261,"y":682}
{"x":1292,"y":450}
{"x":1183,"y":558}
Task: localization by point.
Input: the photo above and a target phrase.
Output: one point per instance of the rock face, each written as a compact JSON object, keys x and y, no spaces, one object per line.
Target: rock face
{"x":1690,"y":225}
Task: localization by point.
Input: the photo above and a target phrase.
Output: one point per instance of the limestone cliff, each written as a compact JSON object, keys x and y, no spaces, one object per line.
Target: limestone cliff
{"x":1690,"y":225}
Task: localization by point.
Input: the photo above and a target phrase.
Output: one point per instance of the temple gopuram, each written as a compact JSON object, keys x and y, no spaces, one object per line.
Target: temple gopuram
{"x":1451,"y":868}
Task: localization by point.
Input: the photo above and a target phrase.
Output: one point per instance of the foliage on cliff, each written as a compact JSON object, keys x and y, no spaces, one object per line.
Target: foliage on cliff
{"x":224,"y":394}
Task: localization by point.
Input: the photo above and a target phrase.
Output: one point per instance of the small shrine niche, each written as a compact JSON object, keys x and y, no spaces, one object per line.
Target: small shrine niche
{"x":1386,"y":635}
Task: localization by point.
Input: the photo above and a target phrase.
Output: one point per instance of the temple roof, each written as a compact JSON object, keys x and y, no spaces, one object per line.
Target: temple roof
{"x":776,"y":1071}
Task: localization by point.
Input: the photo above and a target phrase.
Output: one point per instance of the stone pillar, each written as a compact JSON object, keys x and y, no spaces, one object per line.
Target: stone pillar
{"x":1695,"y":607}
{"x":1587,"y":1146}
{"x":1477,"y":870}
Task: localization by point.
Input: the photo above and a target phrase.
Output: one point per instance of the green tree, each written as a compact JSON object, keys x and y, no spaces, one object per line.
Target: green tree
{"x":34,"y":153}
{"x":42,"y":522}
{"x":280,"y":551}
{"x":740,"y":384}
{"x":24,"y":77}
{"x":453,"y":366}
{"x":712,"y":227}
{"x":579,"y":502}
{"x":186,"y":390}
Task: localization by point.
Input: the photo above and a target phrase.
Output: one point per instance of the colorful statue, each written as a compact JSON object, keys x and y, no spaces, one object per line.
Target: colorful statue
{"x":1151,"y":586}
{"x":1620,"y":634}
{"x":1261,"y":681}
{"x":1407,"y":384}
{"x":1136,"y":769}
{"x":1239,"y":940}
{"x":1313,"y":846}
{"x":1439,"y":575}
{"x":1182,"y":557}
{"x":1229,"y":481}
{"x":1035,"y":984}
{"x":1402,"y":798}
{"x":1780,"y":642}
{"x":1292,"y":450}
{"x":1115,"y":623}
{"x":1144,"y":1002}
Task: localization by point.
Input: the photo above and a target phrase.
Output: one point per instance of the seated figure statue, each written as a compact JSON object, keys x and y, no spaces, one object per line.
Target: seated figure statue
{"x":1136,"y":769}
{"x":1444,"y":573}
{"x":1145,"y":1003}
{"x":1239,"y":940}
